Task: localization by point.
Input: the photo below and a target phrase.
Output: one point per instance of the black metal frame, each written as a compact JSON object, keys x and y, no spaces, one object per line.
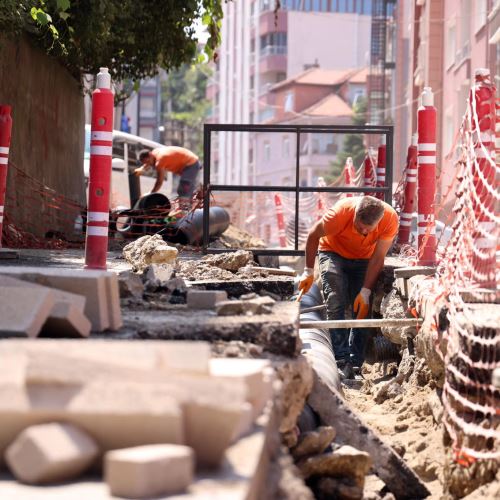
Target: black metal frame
{"x":386,"y":130}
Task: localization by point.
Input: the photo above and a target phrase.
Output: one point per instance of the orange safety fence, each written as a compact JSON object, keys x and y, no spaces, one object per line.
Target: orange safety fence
{"x":468,"y":273}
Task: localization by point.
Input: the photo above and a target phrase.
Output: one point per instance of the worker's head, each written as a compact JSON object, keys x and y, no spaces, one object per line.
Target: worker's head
{"x":369,"y":211}
{"x":146,"y":158}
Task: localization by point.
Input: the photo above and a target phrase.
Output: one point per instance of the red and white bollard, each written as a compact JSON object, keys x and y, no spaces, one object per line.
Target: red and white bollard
{"x":482,"y":102}
{"x":426,"y":190}
{"x":349,"y":175}
{"x":321,"y":200}
{"x":101,"y":146}
{"x":409,"y":193}
{"x":382,"y":150}
{"x":281,"y":220}
{"x":5,"y":134}
{"x":368,"y":169}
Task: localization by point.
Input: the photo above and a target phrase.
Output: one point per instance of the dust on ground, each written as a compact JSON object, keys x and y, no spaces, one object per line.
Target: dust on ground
{"x":405,"y":421}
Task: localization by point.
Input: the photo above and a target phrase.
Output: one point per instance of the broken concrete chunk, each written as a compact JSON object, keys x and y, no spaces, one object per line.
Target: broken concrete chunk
{"x":314,"y":442}
{"x":436,"y":407}
{"x":130,"y":285}
{"x":23,"y":311}
{"x":149,"y":250}
{"x":345,"y":461}
{"x":48,"y":453}
{"x":205,"y":299}
{"x":340,"y":488}
{"x":158,"y":274}
{"x":230,"y":261}
{"x":260,"y":305}
{"x":149,"y":471}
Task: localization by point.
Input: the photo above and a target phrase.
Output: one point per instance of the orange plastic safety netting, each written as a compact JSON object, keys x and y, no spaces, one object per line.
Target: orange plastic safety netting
{"x":467,"y":280}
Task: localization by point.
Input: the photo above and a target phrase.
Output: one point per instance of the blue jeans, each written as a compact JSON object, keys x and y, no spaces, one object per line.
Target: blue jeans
{"x":187,"y":182}
{"x":342,"y":280}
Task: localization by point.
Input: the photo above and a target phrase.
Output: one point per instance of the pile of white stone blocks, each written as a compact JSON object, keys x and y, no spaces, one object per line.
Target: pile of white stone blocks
{"x":54,"y":302}
{"x":149,"y":414}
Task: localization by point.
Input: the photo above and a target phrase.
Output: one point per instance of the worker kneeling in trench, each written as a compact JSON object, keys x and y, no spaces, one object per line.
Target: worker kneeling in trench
{"x":353,"y":238}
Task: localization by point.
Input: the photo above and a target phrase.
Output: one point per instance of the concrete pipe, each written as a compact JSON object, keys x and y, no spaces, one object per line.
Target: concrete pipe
{"x":189,"y":230}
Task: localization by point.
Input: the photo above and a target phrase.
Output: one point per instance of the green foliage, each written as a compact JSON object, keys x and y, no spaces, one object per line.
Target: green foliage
{"x":133,"y":38}
{"x":185,"y":105}
{"x":353,"y":143}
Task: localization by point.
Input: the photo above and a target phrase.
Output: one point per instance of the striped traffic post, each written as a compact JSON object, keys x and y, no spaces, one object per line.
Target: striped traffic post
{"x":368,"y":169}
{"x":426,"y":187}
{"x":482,"y":102}
{"x":409,"y":192}
{"x":381,"y":168}
{"x":101,"y":146}
{"x":280,"y":219}
{"x":5,"y":134}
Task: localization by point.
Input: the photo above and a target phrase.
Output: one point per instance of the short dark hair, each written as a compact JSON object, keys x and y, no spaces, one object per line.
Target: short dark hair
{"x":144,"y":154}
{"x":369,"y":210}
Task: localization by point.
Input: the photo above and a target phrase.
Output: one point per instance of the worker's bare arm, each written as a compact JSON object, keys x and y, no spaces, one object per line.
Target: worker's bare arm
{"x":376,"y":263}
{"x":160,"y":176}
{"x":316,"y":232}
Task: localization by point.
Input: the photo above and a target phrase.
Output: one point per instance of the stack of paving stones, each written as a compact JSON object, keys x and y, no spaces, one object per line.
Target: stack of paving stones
{"x":150,"y":415}
{"x":37,"y":301}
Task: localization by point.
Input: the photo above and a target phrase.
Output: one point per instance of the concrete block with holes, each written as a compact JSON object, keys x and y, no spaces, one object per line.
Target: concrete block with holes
{"x":205,"y":299}
{"x":49,"y":453}
{"x":100,"y":289}
{"x":149,"y":471}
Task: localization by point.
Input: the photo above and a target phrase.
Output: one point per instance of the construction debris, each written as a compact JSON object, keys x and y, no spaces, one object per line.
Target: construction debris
{"x":234,"y":237}
{"x":149,"y":250}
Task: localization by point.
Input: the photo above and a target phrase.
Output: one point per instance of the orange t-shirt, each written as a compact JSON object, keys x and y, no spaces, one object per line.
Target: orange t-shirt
{"x":342,"y":237}
{"x":174,"y":158}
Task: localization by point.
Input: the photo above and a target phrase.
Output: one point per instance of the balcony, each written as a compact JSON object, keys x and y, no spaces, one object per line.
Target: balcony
{"x":271,"y":50}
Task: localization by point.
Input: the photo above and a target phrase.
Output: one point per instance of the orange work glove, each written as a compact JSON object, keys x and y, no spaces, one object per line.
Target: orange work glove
{"x":306,"y":281}
{"x":362,"y":303}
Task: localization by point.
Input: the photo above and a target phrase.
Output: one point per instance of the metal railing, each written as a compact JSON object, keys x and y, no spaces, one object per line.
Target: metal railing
{"x":386,"y":130}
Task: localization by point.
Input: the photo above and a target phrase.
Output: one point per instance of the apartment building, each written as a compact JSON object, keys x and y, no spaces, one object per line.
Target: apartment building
{"x":260,"y":48}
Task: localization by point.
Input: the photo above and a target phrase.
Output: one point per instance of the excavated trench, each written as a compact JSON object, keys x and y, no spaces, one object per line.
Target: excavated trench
{"x":380,"y":436}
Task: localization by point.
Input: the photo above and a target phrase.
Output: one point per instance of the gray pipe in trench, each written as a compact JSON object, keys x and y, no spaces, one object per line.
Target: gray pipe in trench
{"x":317,"y":347}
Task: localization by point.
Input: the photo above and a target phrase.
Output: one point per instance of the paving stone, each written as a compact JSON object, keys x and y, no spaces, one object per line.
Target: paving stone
{"x":259,"y":305}
{"x":256,"y":374}
{"x":212,"y":426}
{"x":205,"y":299}
{"x":23,"y":311}
{"x":48,"y":453}
{"x":66,"y":319}
{"x":113,"y":301}
{"x":90,"y":283}
{"x":149,"y":471}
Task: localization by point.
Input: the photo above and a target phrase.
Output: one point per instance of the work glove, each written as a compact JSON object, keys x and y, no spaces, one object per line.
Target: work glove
{"x":306,"y":281}
{"x":362,"y":303}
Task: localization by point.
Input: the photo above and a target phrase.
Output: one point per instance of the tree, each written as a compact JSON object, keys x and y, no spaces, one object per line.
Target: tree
{"x":353,"y":143}
{"x":133,"y":38}
{"x":185,"y":104}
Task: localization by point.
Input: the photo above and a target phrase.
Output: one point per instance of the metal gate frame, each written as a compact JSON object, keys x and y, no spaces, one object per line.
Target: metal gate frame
{"x":386,"y":130}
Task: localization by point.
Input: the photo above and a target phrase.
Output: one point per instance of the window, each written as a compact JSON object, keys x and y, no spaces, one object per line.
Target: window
{"x":464,"y":46}
{"x":342,"y":6}
{"x":448,"y":132}
{"x":286,"y":147}
{"x":267,"y":151}
{"x":480,"y":14}
{"x":289,"y":102}
{"x":451,"y":45}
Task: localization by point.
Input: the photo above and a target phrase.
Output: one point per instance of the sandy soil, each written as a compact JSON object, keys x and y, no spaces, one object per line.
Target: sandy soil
{"x":404,"y":421}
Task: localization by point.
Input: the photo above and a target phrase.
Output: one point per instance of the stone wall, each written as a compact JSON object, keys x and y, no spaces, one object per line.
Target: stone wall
{"x":47,"y":136}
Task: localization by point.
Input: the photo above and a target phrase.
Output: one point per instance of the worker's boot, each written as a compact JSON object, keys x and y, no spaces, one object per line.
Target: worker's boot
{"x":346,"y":370}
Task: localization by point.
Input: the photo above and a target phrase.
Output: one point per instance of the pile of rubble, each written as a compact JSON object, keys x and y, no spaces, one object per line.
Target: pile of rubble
{"x":150,"y":414}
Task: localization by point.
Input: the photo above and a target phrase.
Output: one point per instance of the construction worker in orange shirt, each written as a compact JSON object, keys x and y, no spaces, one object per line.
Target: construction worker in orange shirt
{"x":353,"y":238}
{"x":179,"y":161}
